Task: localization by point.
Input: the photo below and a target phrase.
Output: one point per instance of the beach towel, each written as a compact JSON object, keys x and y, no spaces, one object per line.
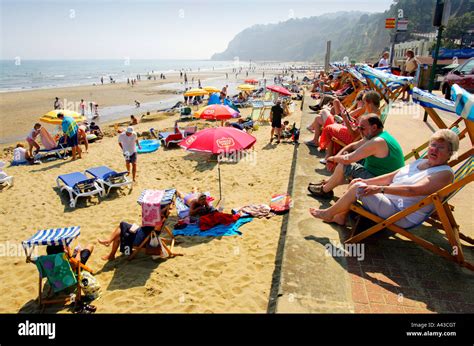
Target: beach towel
{"x":47,"y":140}
{"x":151,"y":207}
{"x":216,"y":218}
{"x":217,"y":231}
{"x":256,"y":210}
{"x":58,"y":271}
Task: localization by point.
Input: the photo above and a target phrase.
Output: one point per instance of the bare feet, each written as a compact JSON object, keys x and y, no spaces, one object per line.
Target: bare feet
{"x":108,"y":258}
{"x":340,"y":219}
{"x":320,"y":214}
{"x":104,"y":242}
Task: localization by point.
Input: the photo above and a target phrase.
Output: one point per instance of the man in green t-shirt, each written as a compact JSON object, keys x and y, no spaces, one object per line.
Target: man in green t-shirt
{"x":380,"y":151}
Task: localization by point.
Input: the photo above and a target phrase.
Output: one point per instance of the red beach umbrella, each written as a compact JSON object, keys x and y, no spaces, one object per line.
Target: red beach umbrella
{"x":279,"y":89}
{"x":217,"y":112}
{"x":217,"y":140}
{"x":251,"y":81}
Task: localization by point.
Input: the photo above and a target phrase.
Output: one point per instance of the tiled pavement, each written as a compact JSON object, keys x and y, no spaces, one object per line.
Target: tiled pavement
{"x":395,"y":276}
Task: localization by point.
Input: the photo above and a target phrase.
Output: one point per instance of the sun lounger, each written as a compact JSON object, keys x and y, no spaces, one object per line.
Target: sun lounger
{"x":185,"y":113}
{"x":108,"y":178}
{"x":78,"y":185}
{"x":61,"y":270}
{"x":8,"y":180}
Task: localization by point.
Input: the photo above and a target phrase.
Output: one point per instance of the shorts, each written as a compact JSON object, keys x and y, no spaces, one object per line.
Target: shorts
{"x":131,"y":159}
{"x":31,"y":142}
{"x":379,"y":204}
{"x":356,"y":170}
{"x":276,"y":125}
{"x":72,"y":141}
{"x":85,"y":254}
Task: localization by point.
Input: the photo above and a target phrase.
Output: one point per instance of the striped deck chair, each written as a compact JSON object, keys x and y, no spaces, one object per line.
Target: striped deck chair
{"x":432,"y":103}
{"x":388,"y":85}
{"x":78,"y":185}
{"x":161,"y":231}
{"x":61,"y":270}
{"x":442,"y":218}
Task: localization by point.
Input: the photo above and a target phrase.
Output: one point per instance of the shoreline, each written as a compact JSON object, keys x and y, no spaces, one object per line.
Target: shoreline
{"x":116,"y":100}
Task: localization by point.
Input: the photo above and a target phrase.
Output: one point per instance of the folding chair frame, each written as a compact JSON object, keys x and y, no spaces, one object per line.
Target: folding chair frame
{"x":444,"y":219}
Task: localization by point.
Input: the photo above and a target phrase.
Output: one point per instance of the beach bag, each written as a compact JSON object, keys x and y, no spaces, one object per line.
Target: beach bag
{"x":89,"y":285}
{"x":281,"y":203}
{"x":154,"y":242}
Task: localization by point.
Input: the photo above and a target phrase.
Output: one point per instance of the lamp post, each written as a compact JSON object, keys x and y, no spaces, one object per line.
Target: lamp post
{"x":440,"y":19}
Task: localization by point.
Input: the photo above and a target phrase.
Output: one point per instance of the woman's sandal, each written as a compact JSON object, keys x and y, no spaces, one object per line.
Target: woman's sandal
{"x":321,"y":182}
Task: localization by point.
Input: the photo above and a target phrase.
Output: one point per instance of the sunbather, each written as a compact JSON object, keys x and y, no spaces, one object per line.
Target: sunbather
{"x":390,"y":193}
{"x":20,"y":155}
{"x":126,"y":236}
{"x":380,"y":151}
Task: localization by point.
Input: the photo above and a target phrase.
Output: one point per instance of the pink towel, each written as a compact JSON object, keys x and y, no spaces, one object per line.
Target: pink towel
{"x":151,"y":207}
{"x":47,"y":140}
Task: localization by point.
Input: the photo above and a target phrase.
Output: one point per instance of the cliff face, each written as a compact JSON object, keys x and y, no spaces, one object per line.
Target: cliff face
{"x":357,"y":35}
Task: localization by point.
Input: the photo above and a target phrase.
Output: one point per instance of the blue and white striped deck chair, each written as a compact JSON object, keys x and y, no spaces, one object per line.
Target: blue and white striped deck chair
{"x":78,"y":185}
{"x":388,"y":85}
{"x":441,"y":217}
{"x":108,"y":178}
{"x":432,"y":104}
{"x":464,"y":102}
{"x":356,"y":74}
{"x":55,"y":237}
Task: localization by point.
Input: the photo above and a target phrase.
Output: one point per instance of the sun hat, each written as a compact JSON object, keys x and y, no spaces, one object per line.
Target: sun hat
{"x":129,"y":129}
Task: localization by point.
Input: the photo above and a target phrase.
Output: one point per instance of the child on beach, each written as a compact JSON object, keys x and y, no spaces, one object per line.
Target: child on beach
{"x":20,"y":155}
{"x":31,"y":139}
{"x":96,"y":111}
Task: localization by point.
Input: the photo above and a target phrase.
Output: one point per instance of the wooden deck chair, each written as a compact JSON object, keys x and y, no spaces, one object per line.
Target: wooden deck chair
{"x":264,"y":115}
{"x":71,"y":267}
{"x":387,"y":85}
{"x":384,"y":110}
{"x":163,"y":235}
{"x":442,"y":218}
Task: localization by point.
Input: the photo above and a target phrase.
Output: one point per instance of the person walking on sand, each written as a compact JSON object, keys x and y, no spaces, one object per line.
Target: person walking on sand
{"x":102,"y":80}
{"x":57,"y":103}
{"x":185,"y":78}
{"x":128,"y":142}
{"x":70,"y":129}
{"x":91,"y":106}
{"x":82,"y":107}
{"x":96,"y":111}
{"x":276,"y":114}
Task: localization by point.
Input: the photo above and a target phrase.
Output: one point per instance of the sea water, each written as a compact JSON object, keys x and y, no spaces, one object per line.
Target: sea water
{"x":17,"y":74}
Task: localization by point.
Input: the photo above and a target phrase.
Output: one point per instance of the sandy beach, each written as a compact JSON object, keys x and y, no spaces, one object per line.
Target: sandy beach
{"x":225,"y":274}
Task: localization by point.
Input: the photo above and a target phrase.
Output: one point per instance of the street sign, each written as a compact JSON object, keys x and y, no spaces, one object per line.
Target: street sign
{"x":389,"y":23}
{"x":402,"y":25}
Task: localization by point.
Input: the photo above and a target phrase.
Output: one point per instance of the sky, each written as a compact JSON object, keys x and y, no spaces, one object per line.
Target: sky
{"x":145,"y":29}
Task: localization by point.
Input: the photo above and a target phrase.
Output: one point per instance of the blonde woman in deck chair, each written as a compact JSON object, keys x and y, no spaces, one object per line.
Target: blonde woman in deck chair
{"x":391,"y":193}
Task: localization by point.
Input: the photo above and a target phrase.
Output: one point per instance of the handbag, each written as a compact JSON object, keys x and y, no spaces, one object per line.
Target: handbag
{"x":154,"y":242}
